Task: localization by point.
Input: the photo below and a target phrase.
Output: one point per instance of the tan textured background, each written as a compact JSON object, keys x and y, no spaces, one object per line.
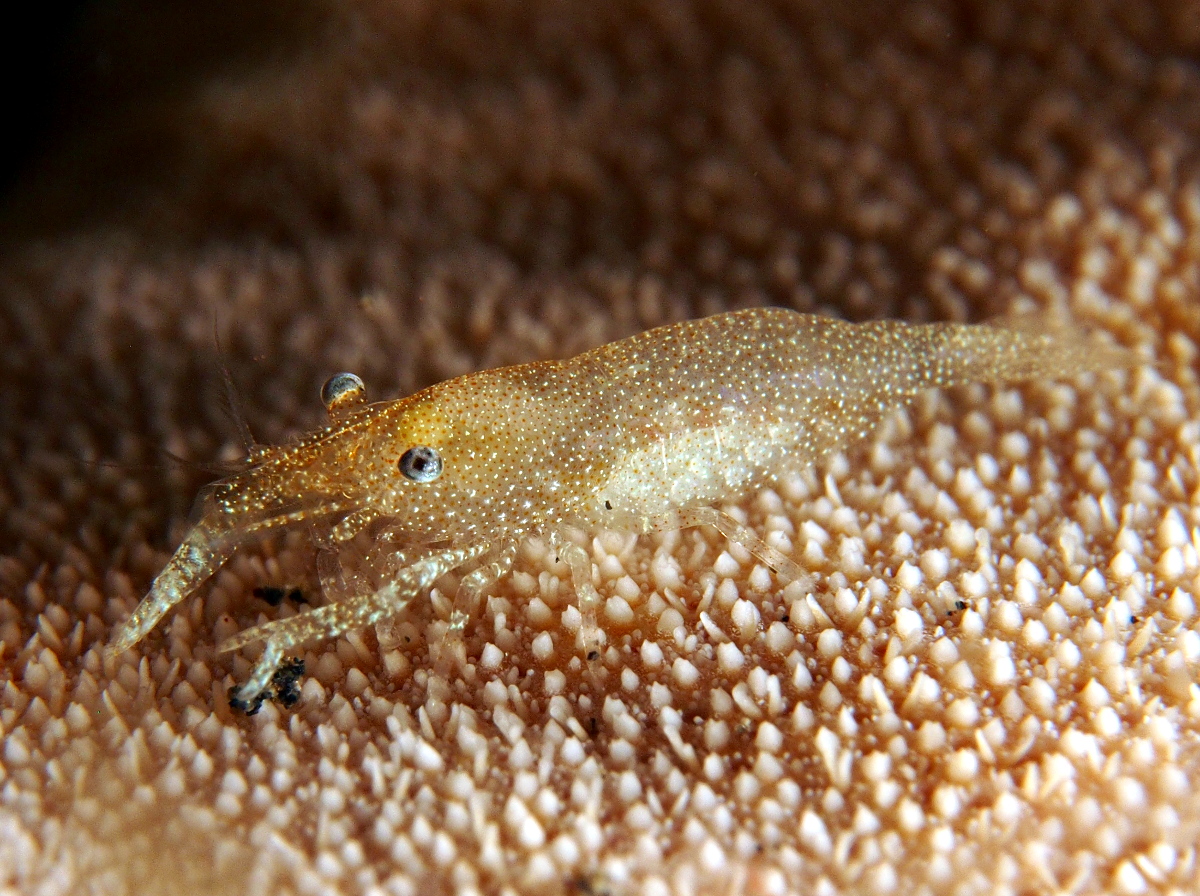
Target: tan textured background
{"x":414,"y":190}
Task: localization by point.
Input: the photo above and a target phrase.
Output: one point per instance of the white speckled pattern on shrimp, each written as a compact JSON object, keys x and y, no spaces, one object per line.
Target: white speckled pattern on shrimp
{"x":642,"y":434}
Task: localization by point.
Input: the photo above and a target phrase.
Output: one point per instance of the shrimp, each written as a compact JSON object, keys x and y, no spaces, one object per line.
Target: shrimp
{"x":644,"y":434}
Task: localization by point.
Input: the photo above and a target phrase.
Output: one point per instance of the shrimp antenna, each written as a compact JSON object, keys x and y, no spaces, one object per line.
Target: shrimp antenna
{"x":233,"y":398}
{"x":216,"y":468}
{"x":210,"y":468}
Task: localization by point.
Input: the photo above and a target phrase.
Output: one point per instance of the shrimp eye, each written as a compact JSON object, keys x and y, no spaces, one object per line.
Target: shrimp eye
{"x":421,"y":464}
{"x":343,"y":390}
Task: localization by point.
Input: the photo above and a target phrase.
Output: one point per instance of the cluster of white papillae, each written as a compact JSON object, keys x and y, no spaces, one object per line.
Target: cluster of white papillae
{"x":994,"y":690}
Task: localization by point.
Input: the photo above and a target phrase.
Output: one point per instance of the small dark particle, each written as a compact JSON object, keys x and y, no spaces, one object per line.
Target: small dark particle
{"x":283,"y":689}
{"x":608,"y":505}
{"x":275,"y":596}
{"x":247,"y":708}
{"x":786,"y":617}
{"x":594,"y":885}
{"x":1133,"y":620}
{"x":593,"y":654}
{"x":960,"y":605}
{"x":286,"y":682}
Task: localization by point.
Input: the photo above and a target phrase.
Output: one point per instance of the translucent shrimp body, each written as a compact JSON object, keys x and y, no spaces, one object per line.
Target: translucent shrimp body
{"x":643,"y":434}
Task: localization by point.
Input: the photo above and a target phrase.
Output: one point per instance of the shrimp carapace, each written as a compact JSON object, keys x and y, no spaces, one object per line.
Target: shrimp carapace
{"x":643,"y":434}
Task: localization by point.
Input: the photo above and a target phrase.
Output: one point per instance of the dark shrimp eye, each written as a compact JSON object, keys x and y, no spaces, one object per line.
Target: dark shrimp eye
{"x":421,"y":464}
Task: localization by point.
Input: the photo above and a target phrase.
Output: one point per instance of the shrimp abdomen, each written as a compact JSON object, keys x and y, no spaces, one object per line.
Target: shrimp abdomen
{"x":702,"y":411}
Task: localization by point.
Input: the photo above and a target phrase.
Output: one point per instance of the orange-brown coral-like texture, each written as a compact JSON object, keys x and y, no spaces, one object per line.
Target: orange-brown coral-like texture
{"x":997,"y":691}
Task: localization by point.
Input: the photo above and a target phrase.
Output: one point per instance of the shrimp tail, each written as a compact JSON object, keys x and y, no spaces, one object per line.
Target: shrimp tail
{"x":1013,"y":349}
{"x":200,"y":555}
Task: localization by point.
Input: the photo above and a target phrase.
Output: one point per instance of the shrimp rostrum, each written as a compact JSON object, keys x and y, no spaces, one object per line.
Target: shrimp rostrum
{"x":643,"y":435}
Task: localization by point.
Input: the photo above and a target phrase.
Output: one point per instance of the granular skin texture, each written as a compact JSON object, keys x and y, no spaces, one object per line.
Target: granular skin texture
{"x":996,"y":693}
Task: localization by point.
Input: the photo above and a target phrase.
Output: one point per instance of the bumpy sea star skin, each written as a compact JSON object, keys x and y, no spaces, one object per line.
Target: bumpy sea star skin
{"x":997,"y":694}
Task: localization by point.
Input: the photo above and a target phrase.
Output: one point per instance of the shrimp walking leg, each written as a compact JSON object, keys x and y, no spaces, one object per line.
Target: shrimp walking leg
{"x":449,"y":648}
{"x":471,"y":588}
{"x":337,"y":618}
{"x":747,"y":538}
{"x":776,"y":560}
{"x":580,"y":564}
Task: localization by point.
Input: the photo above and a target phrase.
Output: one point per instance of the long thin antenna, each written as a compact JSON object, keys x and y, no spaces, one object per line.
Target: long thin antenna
{"x":233,"y":398}
{"x":213,"y":468}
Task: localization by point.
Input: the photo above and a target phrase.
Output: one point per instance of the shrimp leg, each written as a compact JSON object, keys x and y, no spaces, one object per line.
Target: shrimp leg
{"x":466,"y":602}
{"x":684,"y":518}
{"x":580,"y":564}
{"x":471,"y":588}
{"x":743,"y":535}
{"x":334,"y":619}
